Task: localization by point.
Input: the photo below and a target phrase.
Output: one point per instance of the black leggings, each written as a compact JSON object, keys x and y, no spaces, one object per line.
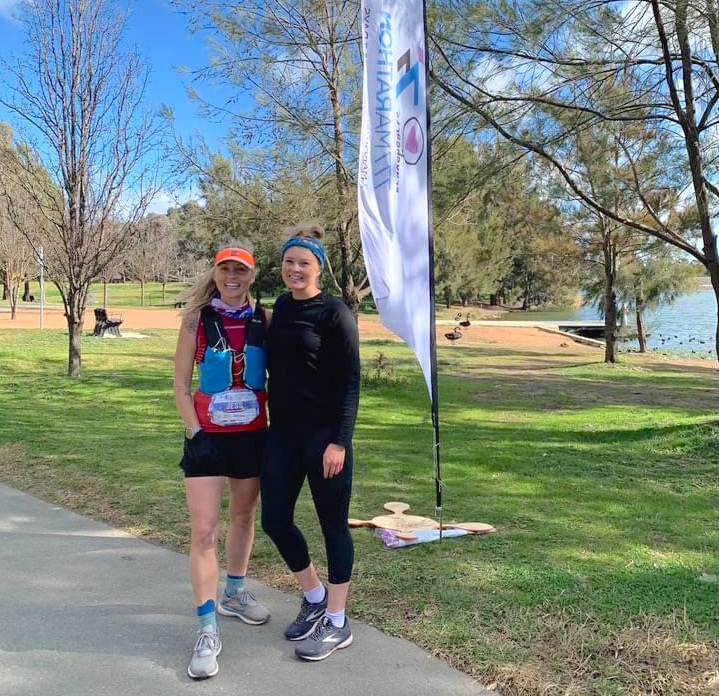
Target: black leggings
{"x":290,"y":456}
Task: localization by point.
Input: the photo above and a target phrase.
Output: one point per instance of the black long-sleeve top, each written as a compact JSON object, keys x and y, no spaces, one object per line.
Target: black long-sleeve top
{"x":313,"y":365}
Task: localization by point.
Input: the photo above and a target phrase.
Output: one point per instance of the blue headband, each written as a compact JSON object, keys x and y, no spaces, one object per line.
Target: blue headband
{"x":314,"y":245}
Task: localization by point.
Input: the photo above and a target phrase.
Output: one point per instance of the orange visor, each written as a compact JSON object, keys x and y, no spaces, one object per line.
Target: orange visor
{"x":234,"y":254}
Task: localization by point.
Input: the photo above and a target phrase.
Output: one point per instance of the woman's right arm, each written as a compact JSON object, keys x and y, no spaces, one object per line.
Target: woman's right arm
{"x":184,"y":362}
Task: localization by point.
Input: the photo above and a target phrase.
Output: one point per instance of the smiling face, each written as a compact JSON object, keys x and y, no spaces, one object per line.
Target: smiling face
{"x":233,"y":280}
{"x":300,"y":271}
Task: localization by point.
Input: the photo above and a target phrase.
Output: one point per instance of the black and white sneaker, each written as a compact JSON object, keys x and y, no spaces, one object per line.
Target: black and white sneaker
{"x":324,"y":640}
{"x":307,"y":619}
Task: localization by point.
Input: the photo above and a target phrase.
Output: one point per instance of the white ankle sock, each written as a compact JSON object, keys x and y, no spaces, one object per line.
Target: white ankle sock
{"x":316,"y":594}
{"x":337,"y":618}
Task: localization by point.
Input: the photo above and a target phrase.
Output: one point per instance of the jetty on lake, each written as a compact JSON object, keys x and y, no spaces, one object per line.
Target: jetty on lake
{"x":589,"y":332}
{"x":587,"y":329}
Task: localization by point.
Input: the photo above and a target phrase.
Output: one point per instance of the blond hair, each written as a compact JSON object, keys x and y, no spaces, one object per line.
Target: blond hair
{"x":306,"y":229}
{"x":204,"y":288}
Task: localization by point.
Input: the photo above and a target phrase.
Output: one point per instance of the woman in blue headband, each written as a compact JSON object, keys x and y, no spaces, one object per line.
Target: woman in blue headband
{"x":313,"y":392}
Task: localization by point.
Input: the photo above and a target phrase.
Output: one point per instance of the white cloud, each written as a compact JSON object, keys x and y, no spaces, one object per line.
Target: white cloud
{"x":161,"y":202}
{"x":7,"y":8}
{"x":168,"y":199}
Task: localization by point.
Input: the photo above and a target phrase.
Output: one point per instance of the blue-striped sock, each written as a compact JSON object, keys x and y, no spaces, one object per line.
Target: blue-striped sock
{"x":206,"y":616}
{"x":235,"y":583}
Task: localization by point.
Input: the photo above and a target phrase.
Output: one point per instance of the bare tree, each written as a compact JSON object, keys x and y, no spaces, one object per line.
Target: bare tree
{"x":18,"y":262}
{"x":540,"y":73}
{"x":149,"y":249}
{"x":166,"y":258}
{"x":116,"y":267}
{"x":79,"y":94}
{"x":17,"y":258}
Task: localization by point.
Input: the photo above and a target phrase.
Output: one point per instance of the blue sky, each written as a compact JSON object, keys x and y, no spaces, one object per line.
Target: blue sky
{"x":162,"y":38}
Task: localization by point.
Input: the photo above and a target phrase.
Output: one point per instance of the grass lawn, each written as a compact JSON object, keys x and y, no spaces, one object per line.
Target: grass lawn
{"x":118,"y":294}
{"x":603,"y":576}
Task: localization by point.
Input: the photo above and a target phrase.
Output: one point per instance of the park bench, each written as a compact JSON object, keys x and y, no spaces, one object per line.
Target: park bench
{"x":104,"y":323}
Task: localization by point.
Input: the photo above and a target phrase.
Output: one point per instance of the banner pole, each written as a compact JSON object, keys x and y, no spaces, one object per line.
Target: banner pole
{"x":432,"y":321}
{"x":394,"y":138}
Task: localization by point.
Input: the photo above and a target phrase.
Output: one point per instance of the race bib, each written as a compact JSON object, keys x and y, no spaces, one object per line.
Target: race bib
{"x":233,"y":407}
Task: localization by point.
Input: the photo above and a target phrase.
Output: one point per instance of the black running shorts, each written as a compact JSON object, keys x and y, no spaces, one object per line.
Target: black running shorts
{"x":235,"y":455}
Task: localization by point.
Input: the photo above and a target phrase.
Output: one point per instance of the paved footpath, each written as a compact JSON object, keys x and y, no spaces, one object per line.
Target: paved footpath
{"x":87,"y":610}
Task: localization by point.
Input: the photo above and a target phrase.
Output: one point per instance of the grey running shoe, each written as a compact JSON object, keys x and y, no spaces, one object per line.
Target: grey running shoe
{"x":204,"y":656}
{"x":324,"y":640}
{"x":244,"y":606}
{"x":307,"y":619}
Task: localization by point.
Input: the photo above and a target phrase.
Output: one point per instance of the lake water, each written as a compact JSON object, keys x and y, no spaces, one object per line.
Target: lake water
{"x":686,"y":327}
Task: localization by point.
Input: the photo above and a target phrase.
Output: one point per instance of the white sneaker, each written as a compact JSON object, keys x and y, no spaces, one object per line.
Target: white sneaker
{"x":244,"y":606}
{"x":204,"y":655}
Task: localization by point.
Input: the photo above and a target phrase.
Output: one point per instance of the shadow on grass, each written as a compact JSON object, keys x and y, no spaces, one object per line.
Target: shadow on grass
{"x":529,"y":383}
{"x":601,"y":481}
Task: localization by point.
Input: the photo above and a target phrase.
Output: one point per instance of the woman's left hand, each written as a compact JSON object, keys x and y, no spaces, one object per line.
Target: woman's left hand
{"x":333,"y":460}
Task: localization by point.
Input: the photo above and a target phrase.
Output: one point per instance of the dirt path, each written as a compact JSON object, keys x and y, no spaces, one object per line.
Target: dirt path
{"x":135,"y":319}
{"x":527,"y":338}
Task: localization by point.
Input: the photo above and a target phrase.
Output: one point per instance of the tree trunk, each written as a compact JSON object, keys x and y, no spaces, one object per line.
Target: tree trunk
{"x":74,"y":363}
{"x":74,"y":310}
{"x":163,"y":292}
{"x":610,"y":301}
{"x":26,"y":290}
{"x":640,"y":332}
{"x":610,"y":327}
{"x":142,"y":292}
{"x":350,"y":293}
{"x":527,"y":300}
{"x":352,"y":300}
{"x":14,"y":289}
{"x":104,"y":293}
{"x":714,"y":275}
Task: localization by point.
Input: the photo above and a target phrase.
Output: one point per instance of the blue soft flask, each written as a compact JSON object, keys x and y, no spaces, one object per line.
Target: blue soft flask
{"x":216,"y":366}
{"x":255,"y":351}
{"x":215,"y":370}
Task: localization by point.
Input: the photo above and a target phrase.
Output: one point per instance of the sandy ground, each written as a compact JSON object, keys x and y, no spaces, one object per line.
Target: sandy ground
{"x":53,"y":318}
{"x":527,"y":338}
{"x":135,"y":320}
